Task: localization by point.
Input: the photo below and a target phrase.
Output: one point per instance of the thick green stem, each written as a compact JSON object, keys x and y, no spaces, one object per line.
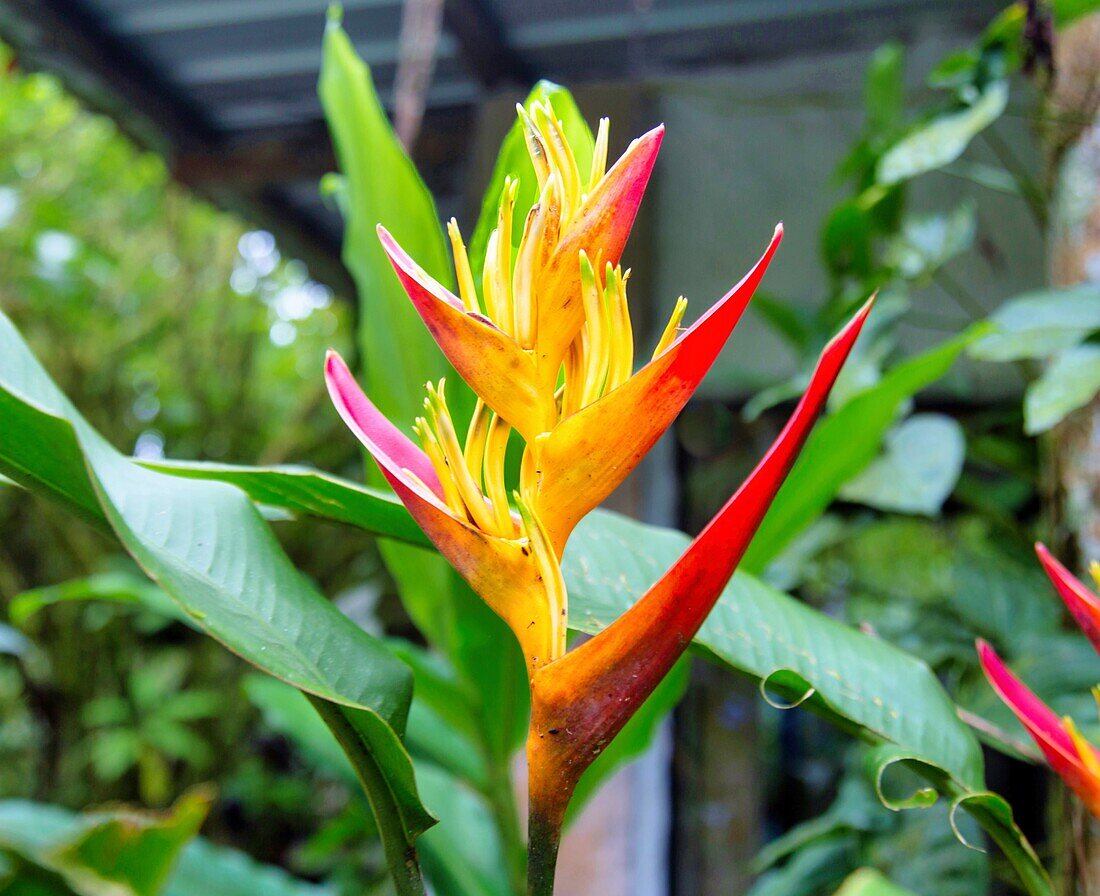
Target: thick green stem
{"x":544,"y":837}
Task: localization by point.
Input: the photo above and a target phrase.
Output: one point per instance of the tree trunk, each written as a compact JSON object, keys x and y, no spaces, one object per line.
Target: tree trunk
{"x":1073,"y":144}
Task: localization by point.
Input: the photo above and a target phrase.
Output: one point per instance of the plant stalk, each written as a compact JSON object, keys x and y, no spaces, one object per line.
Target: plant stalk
{"x":544,"y":837}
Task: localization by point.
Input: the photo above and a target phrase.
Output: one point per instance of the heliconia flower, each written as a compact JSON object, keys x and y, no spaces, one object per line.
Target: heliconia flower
{"x":584,"y":439}
{"x":1073,"y":758}
{"x":548,"y":348}
{"x":1083,"y":605}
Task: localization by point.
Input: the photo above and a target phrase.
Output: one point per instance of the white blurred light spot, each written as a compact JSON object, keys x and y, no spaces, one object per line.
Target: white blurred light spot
{"x":320,"y":296}
{"x":283,"y":333}
{"x":257,"y":248}
{"x":294,"y":303}
{"x":146,"y":406}
{"x":55,"y":248}
{"x":9,"y":205}
{"x":243,"y":281}
{"x":149,"y":446}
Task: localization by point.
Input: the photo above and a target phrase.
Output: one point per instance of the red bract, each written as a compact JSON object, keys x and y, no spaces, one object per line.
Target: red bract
{"x":1083,"y":605}
{"x":581,"y":701}
{"x":1074,"y":760}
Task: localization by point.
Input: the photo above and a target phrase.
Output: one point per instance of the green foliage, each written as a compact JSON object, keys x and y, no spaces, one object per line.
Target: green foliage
{"x":1070,"y":382}
{"x":150,"y":725}
{"x":865,"y":685}
{"x":462,"y":853}
{"x":1038,"y":324}
{"x":180,"y":330}
{"x":1053,"y":326}
{"x":942,"y":140}
{"x":917,"y":471}
{"x":116,"y":853}
{"x":194,"y":529}
{"x":868,"y":882}
{"x":916,"y":849}
{"x":242,"y":589}
{"x":127,"y":853}
{"x":842,"y":446}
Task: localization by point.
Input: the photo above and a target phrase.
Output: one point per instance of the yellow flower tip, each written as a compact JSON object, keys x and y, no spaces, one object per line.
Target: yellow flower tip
{"x":588,"y":273}
{"x":1084,"y":749}
{"x":599,"y":154}
{"x":672,"y":329}
{"x":1094,"y":571}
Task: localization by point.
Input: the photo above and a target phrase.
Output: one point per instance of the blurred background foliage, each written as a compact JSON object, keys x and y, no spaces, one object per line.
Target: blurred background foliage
{"x":181,"y":332}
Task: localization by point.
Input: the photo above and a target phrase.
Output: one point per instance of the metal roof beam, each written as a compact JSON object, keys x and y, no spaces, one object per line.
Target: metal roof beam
{"x":195,"y":15}
{"x":201,"y":71}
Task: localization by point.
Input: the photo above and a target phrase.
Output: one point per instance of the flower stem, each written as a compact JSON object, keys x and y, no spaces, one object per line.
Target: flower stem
{"x":544,"y":836}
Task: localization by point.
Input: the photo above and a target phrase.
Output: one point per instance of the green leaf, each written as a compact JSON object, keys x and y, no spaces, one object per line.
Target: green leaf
{"x":1066,"y":11}
{"x":843,"y":445}
{"x":943,"y":139}
{"x":868,"y":882}
{"x":36,"y":829}
{"x":399,"y":355}
{"x":956,"y":69}
{"x":12,"y":643}
{"x":846,"y":240}
{"x":788,"y":320}
{"x":116,"y":853}
{"x":462,"y":853}
{"x":303,"y":491}
{"x":884,"y":89}
{"x":381,"y":185}
{"x":811,"y":869}
{"x":918,"y":849}
{"x":513,"y":160}
{"x":207,"y":547}
{"x":864,"y":685}
{"x":989,"y":176}
{"x":928,"y":242}
{"x":1038,"y":324}
{"x":1070,"y":382}
{"x":118,"y":587}
{"x":920,"y":464}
